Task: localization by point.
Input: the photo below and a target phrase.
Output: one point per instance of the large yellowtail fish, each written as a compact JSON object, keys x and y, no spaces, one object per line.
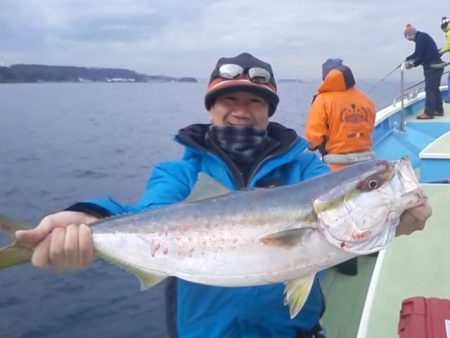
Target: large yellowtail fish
{"x":261,"y":236}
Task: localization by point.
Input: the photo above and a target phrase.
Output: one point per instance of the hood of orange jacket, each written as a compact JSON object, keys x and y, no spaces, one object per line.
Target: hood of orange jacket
{"x":337,"y":79}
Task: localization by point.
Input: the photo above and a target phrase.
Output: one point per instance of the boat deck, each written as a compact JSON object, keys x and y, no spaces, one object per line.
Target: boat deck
{"x":438,"y":149}
{"x":423,"y":141}
{"x":412,"y":265}
{"x":343,"y":314}
{"x":419,"y":110}
{"x":408,"y":267}
{"x":435,"y":127}
{"x":415,"y":265}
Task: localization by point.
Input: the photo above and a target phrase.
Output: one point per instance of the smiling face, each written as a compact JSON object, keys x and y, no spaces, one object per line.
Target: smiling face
{"x":240,"y":108}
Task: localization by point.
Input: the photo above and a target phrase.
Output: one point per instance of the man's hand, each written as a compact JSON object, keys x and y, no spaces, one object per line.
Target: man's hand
{"x":414,"y":219}
{"x":409,"y":64}
{"x":62,"y":241}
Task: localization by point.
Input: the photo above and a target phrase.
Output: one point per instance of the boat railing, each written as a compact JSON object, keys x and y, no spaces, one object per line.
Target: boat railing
{"x":412,"y":91}
{"x":402,"y":88}
{"x":408,"y":95}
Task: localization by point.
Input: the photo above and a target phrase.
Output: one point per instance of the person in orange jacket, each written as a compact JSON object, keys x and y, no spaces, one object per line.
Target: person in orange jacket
{"x":341,"y":118}
{"x":340,"y":123}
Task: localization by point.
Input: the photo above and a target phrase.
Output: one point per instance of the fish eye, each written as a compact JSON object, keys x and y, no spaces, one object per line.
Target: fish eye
{"x":372,"y":184}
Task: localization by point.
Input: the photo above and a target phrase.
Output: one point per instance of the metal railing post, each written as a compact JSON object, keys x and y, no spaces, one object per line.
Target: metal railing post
{"x":402,"y":93}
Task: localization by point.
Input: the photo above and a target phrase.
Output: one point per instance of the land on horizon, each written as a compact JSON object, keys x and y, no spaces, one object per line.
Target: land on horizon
{"x":32,"y":73}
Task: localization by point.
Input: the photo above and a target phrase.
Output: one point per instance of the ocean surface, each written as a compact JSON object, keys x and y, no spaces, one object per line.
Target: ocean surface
{"x":61,"y":143}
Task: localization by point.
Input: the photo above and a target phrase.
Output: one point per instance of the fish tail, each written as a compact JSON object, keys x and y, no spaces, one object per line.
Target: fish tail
{"x":17,"y":252}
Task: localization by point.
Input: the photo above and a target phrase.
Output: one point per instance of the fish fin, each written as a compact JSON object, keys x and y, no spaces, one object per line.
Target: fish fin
{"x":287,"y":238}
{"x":206,"y":187}
{"x":146,"y":278}
{"x":296,"y":293}
{"x":17,"y":252}
{"x":149,"y":279}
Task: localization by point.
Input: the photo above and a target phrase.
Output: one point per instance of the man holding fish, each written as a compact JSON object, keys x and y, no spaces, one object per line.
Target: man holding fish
{"x":241,"y":149}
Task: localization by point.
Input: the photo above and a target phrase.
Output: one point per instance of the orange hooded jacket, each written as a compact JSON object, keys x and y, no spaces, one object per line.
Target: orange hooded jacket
{"x":340,"y":114}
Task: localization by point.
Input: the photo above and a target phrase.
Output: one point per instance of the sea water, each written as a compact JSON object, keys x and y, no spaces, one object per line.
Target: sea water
{"x":62,"y":143}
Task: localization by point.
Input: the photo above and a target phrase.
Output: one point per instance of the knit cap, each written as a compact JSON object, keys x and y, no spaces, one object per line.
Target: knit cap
{"x":410,"y":30}
{"x":219,"y":85}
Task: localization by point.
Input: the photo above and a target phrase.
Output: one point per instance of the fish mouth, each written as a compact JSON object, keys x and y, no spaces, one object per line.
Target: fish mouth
{"x":363,"y":215}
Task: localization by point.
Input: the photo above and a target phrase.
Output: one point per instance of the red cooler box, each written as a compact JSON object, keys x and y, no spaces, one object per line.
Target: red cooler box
{"x":422,"y":317}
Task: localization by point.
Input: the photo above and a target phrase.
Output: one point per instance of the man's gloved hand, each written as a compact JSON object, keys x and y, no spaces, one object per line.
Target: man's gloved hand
{"x":409,"y":64}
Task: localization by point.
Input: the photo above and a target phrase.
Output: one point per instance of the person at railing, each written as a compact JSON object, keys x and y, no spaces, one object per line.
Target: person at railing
{"x":340,"y":123}
{"x":427,"y":54}
{"x":445,"y":26}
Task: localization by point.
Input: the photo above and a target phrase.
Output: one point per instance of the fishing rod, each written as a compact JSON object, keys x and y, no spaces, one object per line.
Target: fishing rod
{"x":393,"y":70}
{"x":384,"y":78}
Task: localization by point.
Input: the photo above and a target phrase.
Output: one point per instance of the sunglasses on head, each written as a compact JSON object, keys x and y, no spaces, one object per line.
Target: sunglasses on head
{"x":255,"y":74}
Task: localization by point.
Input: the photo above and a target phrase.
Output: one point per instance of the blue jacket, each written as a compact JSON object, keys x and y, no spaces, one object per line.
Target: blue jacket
{"x":195,"y":310}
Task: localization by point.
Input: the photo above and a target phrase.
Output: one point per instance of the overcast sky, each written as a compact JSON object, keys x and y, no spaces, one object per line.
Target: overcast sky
{"x":186,"y":37}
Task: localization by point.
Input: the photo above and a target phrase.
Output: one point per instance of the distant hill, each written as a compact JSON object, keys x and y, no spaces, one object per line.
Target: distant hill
{"x":44,"y":73}
{"x":290,"y":80}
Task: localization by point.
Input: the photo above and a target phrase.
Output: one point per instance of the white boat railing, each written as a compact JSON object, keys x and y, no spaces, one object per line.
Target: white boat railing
{"x":412,"y":91}
{"x":409,"y":95}
{"x":402,"y":88}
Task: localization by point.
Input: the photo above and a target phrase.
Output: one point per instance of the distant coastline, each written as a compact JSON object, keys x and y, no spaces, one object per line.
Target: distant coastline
{"x":30,"y":73}
{"x":290,"y":81}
